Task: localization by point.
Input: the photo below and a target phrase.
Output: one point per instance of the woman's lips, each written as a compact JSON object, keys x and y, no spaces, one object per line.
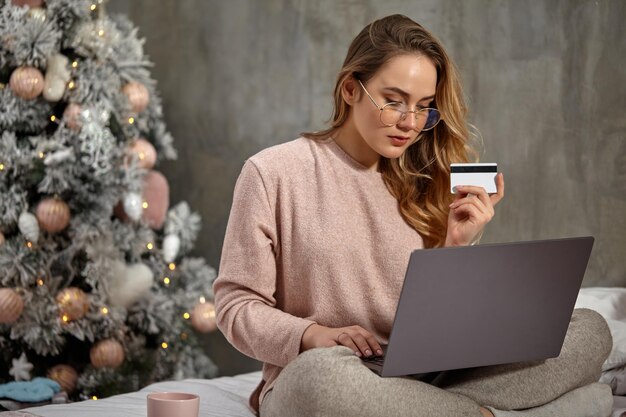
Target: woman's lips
{"x":399,"y":140}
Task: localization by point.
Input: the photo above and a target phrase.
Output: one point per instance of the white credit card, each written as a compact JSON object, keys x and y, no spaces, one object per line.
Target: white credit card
{"x":478,"y":174}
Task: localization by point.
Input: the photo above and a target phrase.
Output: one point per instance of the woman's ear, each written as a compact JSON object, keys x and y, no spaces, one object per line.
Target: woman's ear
{"x":350,"y":91}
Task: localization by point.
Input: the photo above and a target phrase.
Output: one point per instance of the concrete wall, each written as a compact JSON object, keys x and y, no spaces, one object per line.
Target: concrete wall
{"x":545,"y":81}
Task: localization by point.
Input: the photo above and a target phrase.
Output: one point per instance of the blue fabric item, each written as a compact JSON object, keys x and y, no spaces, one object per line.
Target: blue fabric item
{"x":38,"y":389}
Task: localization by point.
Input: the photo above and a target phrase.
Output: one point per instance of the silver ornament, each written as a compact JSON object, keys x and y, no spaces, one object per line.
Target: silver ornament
{"x":29,"y":226}
{"x":171,"y":246}
{"x":132,"y":206}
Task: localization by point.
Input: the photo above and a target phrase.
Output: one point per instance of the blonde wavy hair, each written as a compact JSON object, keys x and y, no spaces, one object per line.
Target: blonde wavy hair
{"x":420,"y":178}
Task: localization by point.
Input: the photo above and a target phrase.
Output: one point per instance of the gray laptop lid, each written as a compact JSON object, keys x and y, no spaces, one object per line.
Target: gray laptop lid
{"x":484,"y":305}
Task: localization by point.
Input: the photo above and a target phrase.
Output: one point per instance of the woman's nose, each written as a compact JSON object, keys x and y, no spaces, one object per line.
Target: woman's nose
{"x":408,"y":122}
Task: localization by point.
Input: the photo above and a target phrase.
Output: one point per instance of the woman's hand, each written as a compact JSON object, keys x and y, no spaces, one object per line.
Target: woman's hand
{"x":471,"y":210}
{"x":362,"y":342}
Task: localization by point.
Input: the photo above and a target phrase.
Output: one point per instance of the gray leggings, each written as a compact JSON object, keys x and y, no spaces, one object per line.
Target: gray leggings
{"x":333,"y":382}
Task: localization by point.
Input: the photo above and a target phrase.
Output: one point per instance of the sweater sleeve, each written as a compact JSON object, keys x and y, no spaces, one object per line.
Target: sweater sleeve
{"x":246,"y":283}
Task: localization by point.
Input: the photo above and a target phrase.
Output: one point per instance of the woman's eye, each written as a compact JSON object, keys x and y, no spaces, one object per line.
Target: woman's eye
{"x":394,"y":104}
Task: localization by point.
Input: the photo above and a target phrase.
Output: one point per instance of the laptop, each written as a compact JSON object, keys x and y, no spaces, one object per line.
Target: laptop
{"x":482,"y":305}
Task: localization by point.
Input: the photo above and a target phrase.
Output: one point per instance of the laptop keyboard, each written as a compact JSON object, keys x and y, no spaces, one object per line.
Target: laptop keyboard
{"x":378,"y":360}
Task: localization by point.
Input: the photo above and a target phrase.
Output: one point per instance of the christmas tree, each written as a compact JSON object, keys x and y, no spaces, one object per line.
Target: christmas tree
{"x":98,"y":290}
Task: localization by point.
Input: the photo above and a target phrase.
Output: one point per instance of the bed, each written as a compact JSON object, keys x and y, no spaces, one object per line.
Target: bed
{"x":219,"y":397}
{"x":228,"y":396}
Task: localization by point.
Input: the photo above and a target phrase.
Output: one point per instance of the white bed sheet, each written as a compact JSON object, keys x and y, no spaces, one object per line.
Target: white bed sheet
{"x":219,"y":397}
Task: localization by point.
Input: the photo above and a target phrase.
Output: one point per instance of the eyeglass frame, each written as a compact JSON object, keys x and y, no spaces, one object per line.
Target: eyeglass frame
{"x":403,"y":114}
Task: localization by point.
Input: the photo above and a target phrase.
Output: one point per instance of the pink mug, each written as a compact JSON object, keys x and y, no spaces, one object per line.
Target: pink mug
{"x":173,"y":404}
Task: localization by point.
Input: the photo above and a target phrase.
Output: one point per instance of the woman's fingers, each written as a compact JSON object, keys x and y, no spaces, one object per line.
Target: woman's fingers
{"x":362,"y":342}
{"x":495,"y":198}
{"x":474,"y":212}
{"x":477,"y":201}
{"x":346,"y":340}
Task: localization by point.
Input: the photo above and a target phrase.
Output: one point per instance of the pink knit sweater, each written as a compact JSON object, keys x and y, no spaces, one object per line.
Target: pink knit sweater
{"x":313,"y":237}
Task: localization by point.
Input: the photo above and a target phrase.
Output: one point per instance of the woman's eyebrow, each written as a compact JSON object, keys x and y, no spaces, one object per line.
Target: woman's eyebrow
{"x":405,"y":95}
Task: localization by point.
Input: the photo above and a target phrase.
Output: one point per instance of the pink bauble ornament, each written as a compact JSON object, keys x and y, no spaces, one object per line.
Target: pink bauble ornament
{"x":29,"y":3}
{"x":53,"y":214}
{"x":11,"y":305}
{"x":65,"y":376}
{"x":107,"y":353}
{"x":144,"y":152}
{"x":26,"y":82}
{"x":203,"y":317}
{"x":71,"y":116}
{"x":156,"y":193}
{"x":137,"y":95}
{"x":73,"y":303}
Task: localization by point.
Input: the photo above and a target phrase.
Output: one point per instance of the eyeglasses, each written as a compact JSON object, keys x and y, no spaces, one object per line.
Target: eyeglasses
{"x":393,"y":113}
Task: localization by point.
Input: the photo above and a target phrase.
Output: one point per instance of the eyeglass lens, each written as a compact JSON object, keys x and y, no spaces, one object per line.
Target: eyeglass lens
{"x":425,"y":119}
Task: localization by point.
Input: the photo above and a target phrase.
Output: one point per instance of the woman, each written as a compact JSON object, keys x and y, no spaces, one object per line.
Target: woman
{"x":321,"y":230}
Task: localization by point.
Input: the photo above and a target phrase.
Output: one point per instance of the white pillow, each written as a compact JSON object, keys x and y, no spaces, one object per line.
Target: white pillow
{"x":611,"y":304}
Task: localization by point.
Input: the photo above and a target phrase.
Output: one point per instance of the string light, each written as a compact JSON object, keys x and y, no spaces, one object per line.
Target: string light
{"x":1,"y":167}
{"x":131,"y":120}
{"x":105,"y":310}
{"x":65,"y":318}
{"x":202,"y":300}
{"x":164,"y":345}
{"x":149,"y":246}
{"x":40,"y":282}
{"x":166,"y":280}
{"x":74,"y":64}
{"x":53,"y":118}
{"x":186,"y":316}
{"x":101,"y":33}
{"x":71,"y":85}
{"x":145,"y":204}
{"x":142,"y":156}
{"x":29,"y":244}
{"x":94,"y":398}
{"x":172,"y":266}
{"x":41,"y":155}
{"x":93,"y":7}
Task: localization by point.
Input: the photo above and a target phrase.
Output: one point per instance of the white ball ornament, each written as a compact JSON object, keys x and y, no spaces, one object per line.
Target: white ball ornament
{"x":133,"y":206}
{"x":29,"y":226}
{"x":57,"y":76}
{"x":171,"y":246}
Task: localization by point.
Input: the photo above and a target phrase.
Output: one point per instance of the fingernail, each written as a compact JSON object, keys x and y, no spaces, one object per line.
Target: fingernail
{"x":380,"y":352}
{"x":368,"y":352}
{"x":358,"y":354}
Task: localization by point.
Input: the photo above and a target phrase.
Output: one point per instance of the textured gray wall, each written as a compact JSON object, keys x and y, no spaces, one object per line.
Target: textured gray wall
{"x":545,"y":81}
